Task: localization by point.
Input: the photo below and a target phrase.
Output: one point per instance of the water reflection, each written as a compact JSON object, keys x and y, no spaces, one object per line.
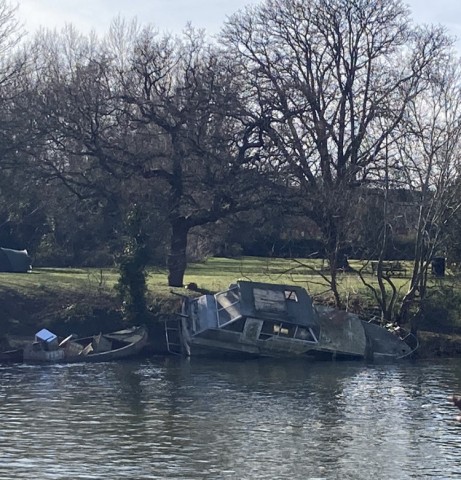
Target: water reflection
{"x":202,"y":419}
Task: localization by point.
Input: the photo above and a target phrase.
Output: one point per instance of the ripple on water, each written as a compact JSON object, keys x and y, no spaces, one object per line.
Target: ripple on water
{"x":164,"y":419}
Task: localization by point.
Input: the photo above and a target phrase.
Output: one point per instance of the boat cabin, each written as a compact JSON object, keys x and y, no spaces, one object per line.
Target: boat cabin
{"x":255,"y":312}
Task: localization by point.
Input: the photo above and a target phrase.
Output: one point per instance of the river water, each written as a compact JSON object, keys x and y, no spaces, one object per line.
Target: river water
{"x":204,"y":419}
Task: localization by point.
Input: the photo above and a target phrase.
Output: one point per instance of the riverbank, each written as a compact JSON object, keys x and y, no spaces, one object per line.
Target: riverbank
{"x":85,"y":313}
{"x":82,"y":313}
{"x":438,"y":345}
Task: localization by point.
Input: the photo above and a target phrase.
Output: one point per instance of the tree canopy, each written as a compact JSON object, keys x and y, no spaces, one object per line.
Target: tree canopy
{"x":319,"y":114}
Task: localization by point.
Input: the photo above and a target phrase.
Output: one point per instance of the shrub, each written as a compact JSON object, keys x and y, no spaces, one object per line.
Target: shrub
{"x":441,"y":310}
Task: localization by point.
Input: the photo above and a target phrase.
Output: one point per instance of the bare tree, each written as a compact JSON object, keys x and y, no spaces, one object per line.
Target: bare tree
{"x":322,"y":76}
{"x":13,"y":62}
{"x":179,"y":92}
{"x":157,"y":110}
{"x":16,"y":129}
{"x":431,"y":166}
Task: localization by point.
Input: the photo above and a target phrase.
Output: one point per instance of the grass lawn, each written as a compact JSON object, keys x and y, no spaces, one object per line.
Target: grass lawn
{"x":218,"y":273}
{"x":213,"y":274}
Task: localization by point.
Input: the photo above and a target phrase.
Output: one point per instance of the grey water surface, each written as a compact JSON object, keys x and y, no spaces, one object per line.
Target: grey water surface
{"x":172,"y":418}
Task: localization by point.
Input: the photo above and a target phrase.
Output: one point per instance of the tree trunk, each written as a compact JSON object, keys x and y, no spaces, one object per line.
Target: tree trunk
{"x":177,"y":260}
{"x":333,"y":260}
{"x":332,"y":233}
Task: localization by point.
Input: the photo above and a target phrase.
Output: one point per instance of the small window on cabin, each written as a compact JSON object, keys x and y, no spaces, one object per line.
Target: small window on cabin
{"x":271,"y":329}
{"x":291,"y":295}
{"x":284,"y":330}
{"x":305,"y":334}
{"x":267,"y":330}
{"x":236,"y":326}
{"x":280,"y":330}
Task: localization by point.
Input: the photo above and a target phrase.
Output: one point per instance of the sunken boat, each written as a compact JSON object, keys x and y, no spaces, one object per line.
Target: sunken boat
{"x":271,"y":320}
{"x":104,"y":347}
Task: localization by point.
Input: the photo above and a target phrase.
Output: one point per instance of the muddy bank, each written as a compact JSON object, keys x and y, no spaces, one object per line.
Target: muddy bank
{"x":436,"y":345}
{"x":81,"y":314}
{"x":84,"y":315}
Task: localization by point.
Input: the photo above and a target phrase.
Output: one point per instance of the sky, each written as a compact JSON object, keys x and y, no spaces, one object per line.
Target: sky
{"x":173,"y":15}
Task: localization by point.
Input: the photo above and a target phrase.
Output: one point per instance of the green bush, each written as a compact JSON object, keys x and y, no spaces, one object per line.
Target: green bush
{"x":441,"y":310}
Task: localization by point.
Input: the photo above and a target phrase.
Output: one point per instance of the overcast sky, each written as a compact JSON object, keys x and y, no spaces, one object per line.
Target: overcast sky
{"x":172,"y":15}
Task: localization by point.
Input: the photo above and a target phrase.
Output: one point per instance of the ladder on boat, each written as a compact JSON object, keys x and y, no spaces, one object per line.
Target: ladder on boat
{"x":173,"y":336}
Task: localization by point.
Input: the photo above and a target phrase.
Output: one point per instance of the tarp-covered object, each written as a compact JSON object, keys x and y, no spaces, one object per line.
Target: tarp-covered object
{"x":17,"y":261}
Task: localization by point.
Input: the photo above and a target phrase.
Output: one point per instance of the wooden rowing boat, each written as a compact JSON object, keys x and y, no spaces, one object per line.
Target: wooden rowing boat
{"x":12,"y":356}
{"x":103,"y":347}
